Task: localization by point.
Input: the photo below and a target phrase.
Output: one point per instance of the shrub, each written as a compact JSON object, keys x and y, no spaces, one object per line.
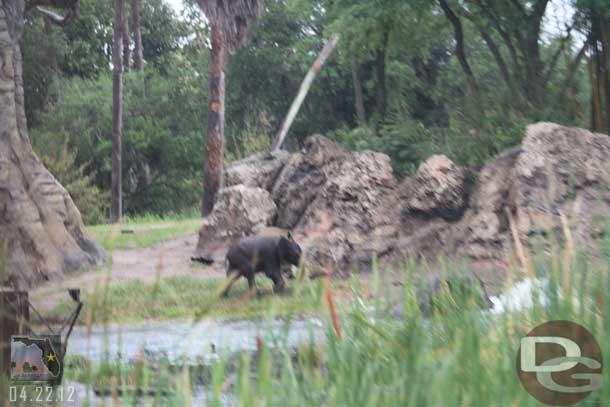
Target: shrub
{"x":88,"y":198}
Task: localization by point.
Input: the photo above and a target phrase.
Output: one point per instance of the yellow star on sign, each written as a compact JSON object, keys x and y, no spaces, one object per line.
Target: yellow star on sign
{"x":50,"y":357}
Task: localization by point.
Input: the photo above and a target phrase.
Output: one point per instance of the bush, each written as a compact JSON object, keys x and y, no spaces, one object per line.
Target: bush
{"x":88,"y":198}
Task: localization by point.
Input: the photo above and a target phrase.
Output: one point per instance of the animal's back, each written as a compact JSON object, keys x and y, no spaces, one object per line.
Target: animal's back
{"x":251,"y":249}
{"x":255,"y":244}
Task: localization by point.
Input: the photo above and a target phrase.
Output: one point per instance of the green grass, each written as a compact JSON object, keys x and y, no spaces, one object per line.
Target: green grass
{"x":180,"y":297}
{"x":143,"y":232}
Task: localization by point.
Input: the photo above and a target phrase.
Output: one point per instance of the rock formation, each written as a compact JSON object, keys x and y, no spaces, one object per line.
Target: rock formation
{"x":347,"y":207}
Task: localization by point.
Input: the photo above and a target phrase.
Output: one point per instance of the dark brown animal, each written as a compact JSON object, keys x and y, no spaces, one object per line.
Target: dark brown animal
{"x":250,"y":255}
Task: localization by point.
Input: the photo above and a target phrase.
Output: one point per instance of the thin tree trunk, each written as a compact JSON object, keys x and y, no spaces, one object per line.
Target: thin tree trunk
{"x":53,"y":66}
{"x":606,"y":98}
{"x":380,"y":58}
{"x":460,"y":52}
{"x":605,"y":36}
{"x":573,"y":69}
{"x":495,"y":51}
{"x":125,"y":35}
{"x":305,"y":85}
{"x":569,"y":89}
{"x":138,"y":59}
{"x":358,"y":94}
{"x":214,"y":146}
{"x":596,"y":112}
{"x":116,"y":206}
{"x":51,"y":48}
{"x":535,"y":86}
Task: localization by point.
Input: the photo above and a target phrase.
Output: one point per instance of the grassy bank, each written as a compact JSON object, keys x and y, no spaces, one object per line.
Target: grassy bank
{"x":143,"y":231}
{"x":181,"y":297}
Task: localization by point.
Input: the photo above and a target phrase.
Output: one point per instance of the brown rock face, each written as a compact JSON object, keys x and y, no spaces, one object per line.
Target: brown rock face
{"x":259,"y":170}
{"x":557,"y":171}
{"x":338,"y":203}
{"x":45,"y":234}
{"x":239,"y":211}
{"x":562,"y":171}
{"x":438,"y":189}
{"x":345,"y":208}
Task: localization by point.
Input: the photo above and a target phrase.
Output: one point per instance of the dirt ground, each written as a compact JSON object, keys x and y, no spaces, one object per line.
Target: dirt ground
{"x":168,"y":258}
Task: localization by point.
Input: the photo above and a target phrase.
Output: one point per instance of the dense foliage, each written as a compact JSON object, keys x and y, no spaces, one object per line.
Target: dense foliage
{"x":394,"y":84}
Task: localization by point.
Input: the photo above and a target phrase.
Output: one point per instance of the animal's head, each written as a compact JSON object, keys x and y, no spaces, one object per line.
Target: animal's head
{"x":290,"y":250}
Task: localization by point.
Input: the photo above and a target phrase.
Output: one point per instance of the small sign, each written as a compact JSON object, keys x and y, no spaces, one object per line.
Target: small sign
{"x":36,"y":359}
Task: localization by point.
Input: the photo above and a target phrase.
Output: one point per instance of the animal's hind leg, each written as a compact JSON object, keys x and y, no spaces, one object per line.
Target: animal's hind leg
{"x":232,"y":278}
{"x":252,"y":284}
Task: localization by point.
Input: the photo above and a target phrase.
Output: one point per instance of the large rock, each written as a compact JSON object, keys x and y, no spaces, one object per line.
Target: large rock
{"x":336,"y":202}
{"x":556,"y":172}
{"x":259,"y":170}
{"x":239,"y":211}
{"x":438,"y":189}
{"x":562,"y":171}
{"x":302,"y":177}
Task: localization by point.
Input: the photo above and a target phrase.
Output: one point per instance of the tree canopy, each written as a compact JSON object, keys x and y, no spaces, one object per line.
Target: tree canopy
{"x":408,"y":78}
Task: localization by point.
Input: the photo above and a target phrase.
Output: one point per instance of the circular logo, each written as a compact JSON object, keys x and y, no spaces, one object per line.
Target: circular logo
{"x":559,"y":363}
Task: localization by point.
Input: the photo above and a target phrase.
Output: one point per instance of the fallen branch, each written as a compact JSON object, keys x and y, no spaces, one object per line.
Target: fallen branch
{"x":303,"y":90}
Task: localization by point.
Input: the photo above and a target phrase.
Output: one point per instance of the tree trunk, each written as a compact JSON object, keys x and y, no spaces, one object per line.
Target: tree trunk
{"x":125,"y":35}
{"x":45,"y":233}
{"x":381,"y":82}
{"x":54,"y":96}
{"x":569,"y":89}
{"x":460,"y":52}
{"x":605,"y":37}
{"x":534,"y":81}
{"x":358,"y":94}
{"x":116,"y":205}
{"x":52,"y":49}
{"x":596,"y":110}
{"x":138,"y":59}
{"x":214,"y":146}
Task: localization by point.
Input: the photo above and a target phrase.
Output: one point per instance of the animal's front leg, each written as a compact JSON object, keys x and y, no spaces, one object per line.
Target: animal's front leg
{"x":278,"y":282}
{"x":232,"y":277}
{"x":252,"y":285}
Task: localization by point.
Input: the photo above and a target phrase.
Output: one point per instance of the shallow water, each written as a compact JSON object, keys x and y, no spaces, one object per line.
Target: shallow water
{"x":184,"y":343}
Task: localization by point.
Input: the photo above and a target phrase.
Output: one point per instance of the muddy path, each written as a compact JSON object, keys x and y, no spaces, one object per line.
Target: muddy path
{"x":168,"y":258}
